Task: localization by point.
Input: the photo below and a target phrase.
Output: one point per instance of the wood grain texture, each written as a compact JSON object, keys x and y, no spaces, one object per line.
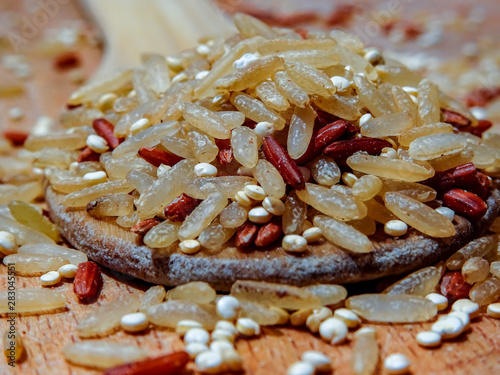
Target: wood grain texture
{"x":121,"y":250}
{"x":45,"y":336}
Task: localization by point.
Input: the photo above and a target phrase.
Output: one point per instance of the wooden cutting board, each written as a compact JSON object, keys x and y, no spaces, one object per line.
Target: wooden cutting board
{"x":46,"y":335}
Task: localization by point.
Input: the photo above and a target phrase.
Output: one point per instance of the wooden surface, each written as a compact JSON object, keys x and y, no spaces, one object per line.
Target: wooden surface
{"x":45,"y":335}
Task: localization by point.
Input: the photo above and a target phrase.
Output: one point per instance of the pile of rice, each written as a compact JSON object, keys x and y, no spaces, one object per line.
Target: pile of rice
{"x":371,"y":141}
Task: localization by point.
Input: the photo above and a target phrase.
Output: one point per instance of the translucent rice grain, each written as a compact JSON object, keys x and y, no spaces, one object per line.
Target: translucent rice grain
{"x":378,"y":212}
{"x":204,"y":148}
{"x":146,"y":138}
{"x":396,"y":169}
{"x":313,"y":81}
{"x":74,"y":184}
{"x":365,"y":353}
{"x":123,"y":125}
{"x":54,"y":157}
{"x":233,"y":216}
{"x":244,"y":143}
{"x":271,"y":97}
{"x":255,"y":110}
{"x":165,"y":189}
{"x":319,"y":59}
{"x":272,"y":294}
{"x":102,"y":354}
{"x":118,"y":169}
{"x":436,"y":145}
{"x":54,"y":174}
{"x":224,"y":65}
{"x":418,"y":283}
{"x":446,"y":162}
{"x":329,"y":294}
{"x":249,"y":26}
{"x":105,"y":319}
{"x":418,"y":215}
{"x":495,"y":269}
{"x":215,"y":235}
{"x":80,"y":116}
{"x":169,"y":107}
{"x":290,"y":90}
{"x":81,"y":169}
{"x":22,"y":233}
{"x":120,"y":204}
{"x":162,"y":235}
{"x":324,"y":171}
{"x":27,"y":192}
{"x":263,"y":315}
{"x":351,"y":48}
{"x":398,"y":75}
{"x":196,"y":291}
{"x":484,"y":156}
{"x":475,"y":269}
{"x":491,"y":139}
{"x":178,"y":146}
{"x":386,"y":91}
{"x":32,"y":301}
{"x":202,"y":187}
{"x":486,"y":291}
{"x":392,"y":308}
{"x":251,"y":75}
{"x":83,"y":197}
{"x":128,"y":221}
{"x":388,"y":125}
{"x":332,"y":203}
{"x":73,"y":256}
{"x":370,"y":97}
{"x":476,"y":248}
{"x":124,"y":104}
{"x":34,"y":264}
{"x":143,"y":92}
{"x":294,"y":215}
{"x":169,"y":313}
{"x":139,"y":181}
{"x":408,"y":136}
{"x":343,"y":235}
{"x":300,"y":131}
{"x":153,"y":296}
{"x":428,"y":102}
{"x":269,"y":179}
{"x":231,"y":119}
{"x":414,"y":190}
{"x":9,"y":166}
{"x":202,"y":215}
{"x":346,"y":107}
{"x":90,"y":91}
{"x":405,"y":104}
{"x":157,"y":73}
{"x":366,"y":187}
{"x":271,"y":46}
{"x":66,"y":141}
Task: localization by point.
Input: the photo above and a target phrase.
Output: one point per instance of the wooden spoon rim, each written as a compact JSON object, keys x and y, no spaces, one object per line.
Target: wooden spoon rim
{"x":121,"y":250}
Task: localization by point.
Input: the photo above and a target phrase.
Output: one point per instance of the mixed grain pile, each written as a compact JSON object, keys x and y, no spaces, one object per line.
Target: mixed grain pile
{"x":314,"y":128}
{"x":269,"y":137}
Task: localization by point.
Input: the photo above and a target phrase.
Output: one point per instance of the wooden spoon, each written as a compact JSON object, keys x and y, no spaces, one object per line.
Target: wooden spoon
{"x":121,"y":250}
{"x":131,"y":27}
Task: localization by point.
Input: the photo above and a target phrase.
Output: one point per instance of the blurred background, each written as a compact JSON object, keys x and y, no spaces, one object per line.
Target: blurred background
{"x":49,"y":47}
